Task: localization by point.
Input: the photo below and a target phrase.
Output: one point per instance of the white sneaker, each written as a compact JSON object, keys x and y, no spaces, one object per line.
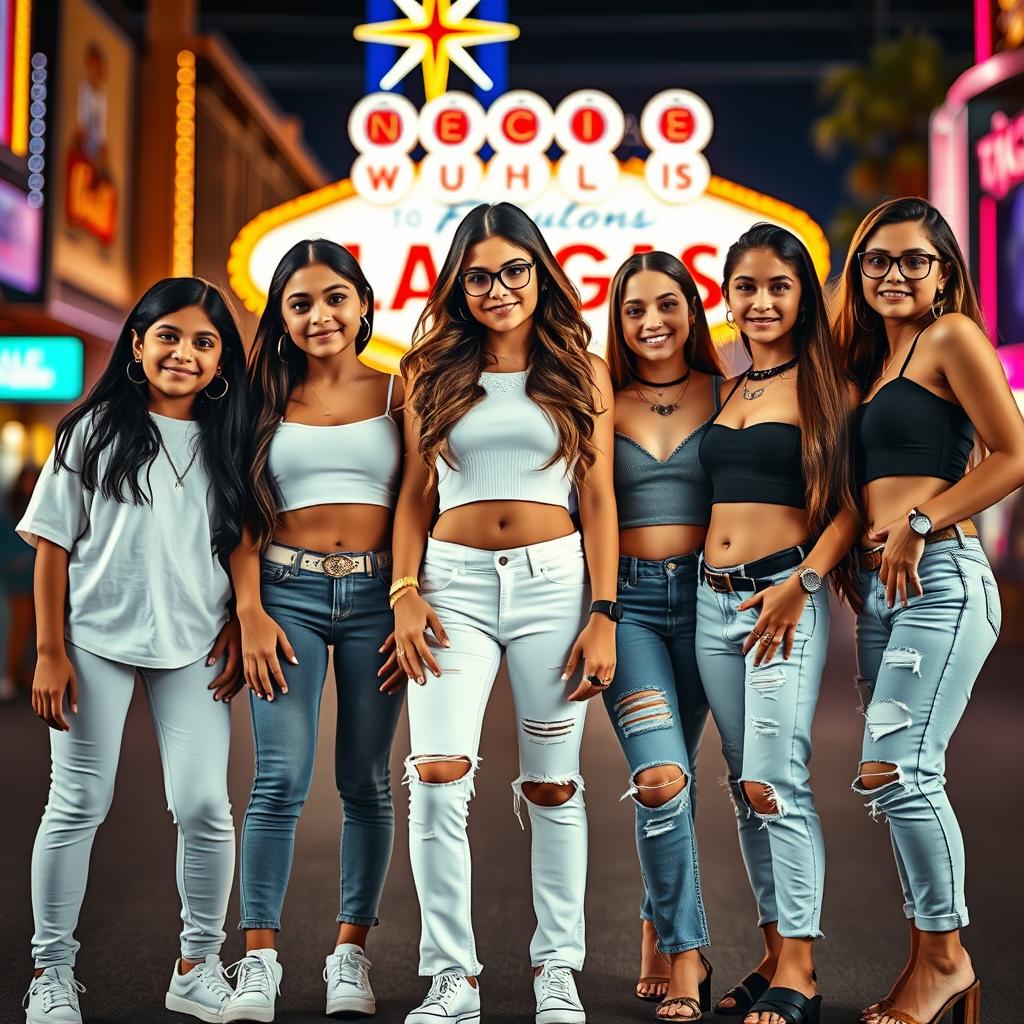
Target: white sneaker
{"x":203,"y":992}
{"x":557,"y":999}
{"x":348,"y":982}
{"x":257,"y":989}
{"x":451,"y":1000}
{"x":52,"y":998}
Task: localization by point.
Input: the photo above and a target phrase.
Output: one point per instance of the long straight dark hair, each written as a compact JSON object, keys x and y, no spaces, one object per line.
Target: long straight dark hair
{"x":121,"y":421}
{"x":699,"y":350}
{"x":277,"y":366}
{"x":823,"y":391}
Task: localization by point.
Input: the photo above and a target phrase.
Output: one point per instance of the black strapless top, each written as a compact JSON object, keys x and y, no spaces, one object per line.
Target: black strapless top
{"x":907,"y":430}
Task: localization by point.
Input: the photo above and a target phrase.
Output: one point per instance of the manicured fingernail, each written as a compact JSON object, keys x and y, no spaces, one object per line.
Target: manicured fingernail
{"x":565,"y":676}
{"x":74,"y":708}
{"x":210,"y":660}
{"x":421,"y":681}
{"x":294,"y":660}
{"x":380,"y":650}
{"x":437,"y":674}
{"x":446,"y":642}
{"x":284,"y":689}
{"x":227,"y":700}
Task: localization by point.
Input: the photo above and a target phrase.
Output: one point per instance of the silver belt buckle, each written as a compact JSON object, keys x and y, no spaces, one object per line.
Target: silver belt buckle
{"x":719,"y":582}
{"x":338,"y":565}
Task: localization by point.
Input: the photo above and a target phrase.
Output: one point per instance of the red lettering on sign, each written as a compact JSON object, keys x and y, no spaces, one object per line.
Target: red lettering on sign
{"x":445,"y":168}
{"x":451,"y":127}
{"x":380,"y":173}
{"x":419,"y":258}
{"x":585,"y":186}
{"x":676,"y":124}
{"x":383,"y":127}
{"x":600,"y":284}
{"x":709,"y":286}
{"x":679,"y":172}
{"x":642,"y":247}
{"x":519,"y":125}
{"x":523,"y":174}
{"x":588,"y":124}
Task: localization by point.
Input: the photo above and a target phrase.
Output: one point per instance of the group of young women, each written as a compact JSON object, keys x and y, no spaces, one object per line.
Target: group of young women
{"x":640,"y":529}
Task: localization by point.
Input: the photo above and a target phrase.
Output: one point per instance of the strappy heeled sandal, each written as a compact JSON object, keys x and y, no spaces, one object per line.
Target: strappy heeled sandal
{"x":789,"y":1004}
{"x":875,"y":1010}
{"x":654,"y":979}
{"x":965,"y":1005}
{"x":745,"y":994}
{"x":698,"y":1006}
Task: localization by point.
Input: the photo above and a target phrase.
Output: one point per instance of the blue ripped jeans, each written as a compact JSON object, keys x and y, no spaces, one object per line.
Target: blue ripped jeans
{"x":764,"y":716}
{"x":352,"y":614}
{"x":657,"y":706}
{"x":917,"y":666}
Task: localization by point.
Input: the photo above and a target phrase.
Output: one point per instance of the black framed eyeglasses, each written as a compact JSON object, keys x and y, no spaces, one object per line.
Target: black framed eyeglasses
{"x":913,"y":265}
{"x":514,"y":277}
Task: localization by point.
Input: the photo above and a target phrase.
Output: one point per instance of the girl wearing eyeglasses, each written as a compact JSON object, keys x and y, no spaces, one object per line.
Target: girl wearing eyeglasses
{"x":507,"y":412}
{"x":910,"y":327}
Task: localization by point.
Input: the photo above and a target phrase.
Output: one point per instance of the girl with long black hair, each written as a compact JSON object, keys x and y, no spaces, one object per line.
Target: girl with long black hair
{"x":133,"y":518}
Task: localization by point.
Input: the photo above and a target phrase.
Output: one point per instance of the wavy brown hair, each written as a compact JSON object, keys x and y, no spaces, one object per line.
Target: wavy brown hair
{"x":273,"y":379}
{"x":859,"y":331}
{"x":823,"y":392}
{"x":699,"y":349}
{"x":442,"y":369}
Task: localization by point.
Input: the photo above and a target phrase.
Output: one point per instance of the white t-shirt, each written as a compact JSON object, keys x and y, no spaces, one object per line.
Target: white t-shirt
{"x":144,"y":586}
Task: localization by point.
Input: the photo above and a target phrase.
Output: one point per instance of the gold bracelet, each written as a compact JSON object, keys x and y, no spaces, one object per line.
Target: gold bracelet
{"x":395,"y":598}
{"x":401,"y":584}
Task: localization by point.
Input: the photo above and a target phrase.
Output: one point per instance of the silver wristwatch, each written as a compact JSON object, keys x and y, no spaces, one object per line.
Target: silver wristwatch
{"x":809,"y":580}
{"x":919,"y":522}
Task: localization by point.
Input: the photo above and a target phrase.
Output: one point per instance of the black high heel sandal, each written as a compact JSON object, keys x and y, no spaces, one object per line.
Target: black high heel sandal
{"x":698,"y":1006}
{"x":745,"y":994}
{"x":792,"y":1006}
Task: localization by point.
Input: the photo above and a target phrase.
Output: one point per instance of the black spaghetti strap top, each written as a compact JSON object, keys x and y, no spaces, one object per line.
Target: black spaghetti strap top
{"x":907,"y":430}
{"x":761,"y":463}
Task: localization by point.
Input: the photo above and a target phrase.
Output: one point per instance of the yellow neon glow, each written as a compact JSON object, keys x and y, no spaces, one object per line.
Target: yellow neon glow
{"x":435,"y":34}
{"x":384,"y":353}
{"x":182,"y":251}
{"x":22,"y":72}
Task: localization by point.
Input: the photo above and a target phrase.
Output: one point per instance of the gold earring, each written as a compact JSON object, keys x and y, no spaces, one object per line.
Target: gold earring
{"x":730,"y":319}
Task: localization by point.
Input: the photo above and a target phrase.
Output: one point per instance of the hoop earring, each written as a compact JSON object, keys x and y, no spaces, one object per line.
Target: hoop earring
{"x":856,"y":316}
{"x":281,"y":354}
{"x":460,"y":316}
{"x":217,"y":398}
{"x":938,"y":306}
{"x":359,"y":336}
{"x":730,"y":319}
{"x":128,"y":370}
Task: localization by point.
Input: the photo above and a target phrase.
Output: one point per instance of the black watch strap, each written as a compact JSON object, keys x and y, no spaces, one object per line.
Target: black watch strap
{"x":610,"y":608}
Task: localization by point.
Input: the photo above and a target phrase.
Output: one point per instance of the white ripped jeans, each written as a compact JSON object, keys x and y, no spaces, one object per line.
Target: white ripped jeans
{"x":530,"y":603}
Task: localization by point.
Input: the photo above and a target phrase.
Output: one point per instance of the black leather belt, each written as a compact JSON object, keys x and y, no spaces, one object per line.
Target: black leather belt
{"x":745,"y":578}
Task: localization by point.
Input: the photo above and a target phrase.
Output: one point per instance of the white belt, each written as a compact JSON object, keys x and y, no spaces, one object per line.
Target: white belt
{"x":330,"y":565}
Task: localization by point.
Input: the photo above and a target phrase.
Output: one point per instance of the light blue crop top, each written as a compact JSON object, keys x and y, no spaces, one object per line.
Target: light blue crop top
{"x":652,"y":492}
{"x":499,"y":448}
{"x":346,"y":464}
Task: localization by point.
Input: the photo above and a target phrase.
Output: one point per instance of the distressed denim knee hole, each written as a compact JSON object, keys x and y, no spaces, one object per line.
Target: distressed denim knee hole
{"x":884,"y":717}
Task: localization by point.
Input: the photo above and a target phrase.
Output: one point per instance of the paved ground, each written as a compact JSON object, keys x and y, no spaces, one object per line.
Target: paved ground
{"x":129,"y":924}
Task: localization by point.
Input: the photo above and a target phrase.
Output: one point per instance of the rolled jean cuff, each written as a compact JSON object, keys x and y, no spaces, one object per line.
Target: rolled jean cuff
{"x":764,"y":918}
{"x":908,"y":911}
{"x":249,"y":924}
{"x":63,"y":960}
{"x":362,"y":922}
{"x":573,"y":963}
{"x":197,"y":952}
{"x":429,"y":971}
{"x":684,"y":947}
{"x":942,"y":923}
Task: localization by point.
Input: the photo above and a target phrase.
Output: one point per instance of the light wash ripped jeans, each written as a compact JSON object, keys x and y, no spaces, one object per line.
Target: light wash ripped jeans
{"x":917,"y":666}
{"x":764,"y":716}
{"x":530,"y":604}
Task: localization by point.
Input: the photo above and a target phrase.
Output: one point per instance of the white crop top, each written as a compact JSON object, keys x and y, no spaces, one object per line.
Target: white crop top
{"x":500,"y":447}
{"x":345,"y":464}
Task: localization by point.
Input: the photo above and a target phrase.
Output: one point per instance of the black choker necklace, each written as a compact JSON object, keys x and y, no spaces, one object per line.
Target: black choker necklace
{"x":773,"y":371}
{"x":661,"y":385}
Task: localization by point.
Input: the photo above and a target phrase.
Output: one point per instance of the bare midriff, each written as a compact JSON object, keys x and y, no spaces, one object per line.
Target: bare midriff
{"x":492,"y":525}
{"x":657,"y":542}
{"x":745,"y":531}
{"x":890,"y":498}
{"x":327,"y":528}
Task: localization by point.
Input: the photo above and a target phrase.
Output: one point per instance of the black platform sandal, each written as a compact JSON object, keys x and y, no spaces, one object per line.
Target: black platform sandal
{"x":746,"y":993}
{"x":699,"y":1006}
{"x":792,"y":1006}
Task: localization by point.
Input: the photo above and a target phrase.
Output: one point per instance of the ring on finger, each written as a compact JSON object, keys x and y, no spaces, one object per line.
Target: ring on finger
{"x":596,"y":680}
{"x":767,"y":638}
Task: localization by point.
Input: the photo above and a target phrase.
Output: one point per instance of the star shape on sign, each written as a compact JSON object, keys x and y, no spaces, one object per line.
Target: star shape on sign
{"x":436,"y":33}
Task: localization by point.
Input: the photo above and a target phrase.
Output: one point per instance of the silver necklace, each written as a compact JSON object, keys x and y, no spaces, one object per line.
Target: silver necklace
{"x":179,"y":477}
{"x":664,"y":408}
{"x":327,"y":412}
{"x":772,"y":373}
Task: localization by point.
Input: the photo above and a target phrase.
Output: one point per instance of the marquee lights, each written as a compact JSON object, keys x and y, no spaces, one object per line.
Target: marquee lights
{"x":37,"y":132}
{"x":184,"y":165}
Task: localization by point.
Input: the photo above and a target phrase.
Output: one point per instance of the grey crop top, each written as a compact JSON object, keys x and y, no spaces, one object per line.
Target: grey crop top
{"x":652,"y":492}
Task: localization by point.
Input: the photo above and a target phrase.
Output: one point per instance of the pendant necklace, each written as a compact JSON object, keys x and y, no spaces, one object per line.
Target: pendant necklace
{"x":319,"y":399}
{"x":508,"y":359}
{"x":660,"y":407}
{"x":179,"y":477}
{"x":767,"y":376}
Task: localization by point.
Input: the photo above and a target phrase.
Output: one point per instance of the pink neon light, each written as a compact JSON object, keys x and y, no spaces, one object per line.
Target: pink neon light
{"x":988,"y":270}
{"x":998,"y":68}
{"x":982,"y":30}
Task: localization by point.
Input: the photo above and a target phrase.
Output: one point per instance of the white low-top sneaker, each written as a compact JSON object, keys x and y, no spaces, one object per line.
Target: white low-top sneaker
{"x":347,"y":973}
{"x":203,"y":992}
{"x":451,"y":1000}
{"x":558,"y":1002}
{"x":52,"y":998}
{"x":257,"y":988}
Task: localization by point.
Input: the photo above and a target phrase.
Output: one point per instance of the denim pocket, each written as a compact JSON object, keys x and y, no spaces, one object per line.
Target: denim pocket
{"x":622,"y":585}
{"x":993,"y":606}
{"x":565,"y":574}
{"x":271,"y":572}
{"x":809,"y":619}
{"x":434,"y":578}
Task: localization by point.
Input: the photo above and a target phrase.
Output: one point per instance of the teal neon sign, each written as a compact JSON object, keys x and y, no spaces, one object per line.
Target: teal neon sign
{"x":41,"y":369}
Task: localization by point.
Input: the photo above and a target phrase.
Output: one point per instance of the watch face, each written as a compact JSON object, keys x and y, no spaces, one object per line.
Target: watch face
{"x":920,"y":524}
{"x":811,"y":581}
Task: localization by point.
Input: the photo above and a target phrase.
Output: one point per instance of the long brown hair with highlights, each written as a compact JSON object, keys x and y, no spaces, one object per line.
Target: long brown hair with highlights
{"x":823,"y":392}
{"x":277,"y":366}
{"x":699,"y":349}
{"x":442,"y":369}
